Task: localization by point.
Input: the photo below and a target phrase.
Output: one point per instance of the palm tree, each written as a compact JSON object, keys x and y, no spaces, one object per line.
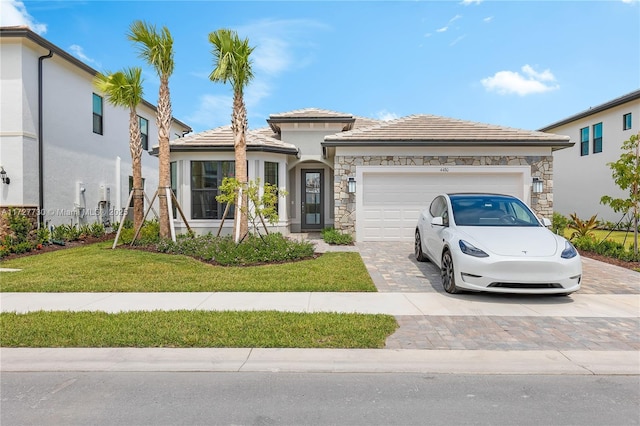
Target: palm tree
{"x":124,"y":89}
{"x":156,"y":48}
{"x":232,"y":64}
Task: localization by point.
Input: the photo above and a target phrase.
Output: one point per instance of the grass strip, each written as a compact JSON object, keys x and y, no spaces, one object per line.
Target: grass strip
{"x":97,"y":268}
{"x":195,"y":329}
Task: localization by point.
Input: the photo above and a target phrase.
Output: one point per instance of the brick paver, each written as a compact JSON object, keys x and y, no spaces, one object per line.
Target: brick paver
{"x":394,"y":269}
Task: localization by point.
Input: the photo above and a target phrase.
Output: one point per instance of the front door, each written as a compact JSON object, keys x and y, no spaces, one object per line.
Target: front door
{"x":312,"y":207}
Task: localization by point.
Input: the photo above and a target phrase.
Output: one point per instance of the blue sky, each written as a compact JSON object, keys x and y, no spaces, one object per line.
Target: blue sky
{"x":512,"y":63}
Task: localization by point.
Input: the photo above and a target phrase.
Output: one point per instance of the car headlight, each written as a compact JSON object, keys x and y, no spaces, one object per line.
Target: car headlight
{"x":569,"y":251}
{"x":471,"y":250}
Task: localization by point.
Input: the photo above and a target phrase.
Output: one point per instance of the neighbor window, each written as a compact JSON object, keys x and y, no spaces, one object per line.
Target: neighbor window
{"x":144,"y":132}
{"x":206,"y":178}
{"x":271,"y":176}
{"x":131,"y":189}
{"x":97,"y":114}
{"x":584,"y":141}
{"x":597,"y":138}
{"x":626,"y":121}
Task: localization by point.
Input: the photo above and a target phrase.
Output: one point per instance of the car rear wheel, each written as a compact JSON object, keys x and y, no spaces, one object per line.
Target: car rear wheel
{"x":448,"y":274}
{"x":420,"y":257}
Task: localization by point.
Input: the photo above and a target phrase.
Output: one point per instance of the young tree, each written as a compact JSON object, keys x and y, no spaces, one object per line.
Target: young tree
{"x":156,"y":48}
{"x":626,"y":174}
{"x":232,"y":64}
{"x":124,"y":89}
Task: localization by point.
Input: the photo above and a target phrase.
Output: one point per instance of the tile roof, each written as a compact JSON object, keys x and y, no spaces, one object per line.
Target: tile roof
{"x":310,"y":113}
{"x":221,"y":139}
{"x":434,"y":130}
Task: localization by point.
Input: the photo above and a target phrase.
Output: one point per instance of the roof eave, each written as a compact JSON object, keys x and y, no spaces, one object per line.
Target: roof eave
{"x":226,"y":148}
{"x":594,"y":110}
{"x":559,"y":144}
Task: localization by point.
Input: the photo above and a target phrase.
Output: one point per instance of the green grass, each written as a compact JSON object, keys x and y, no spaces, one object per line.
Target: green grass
{"x":97,"y":268}
{"x":191,"y":329}
{"x":617,"y":236}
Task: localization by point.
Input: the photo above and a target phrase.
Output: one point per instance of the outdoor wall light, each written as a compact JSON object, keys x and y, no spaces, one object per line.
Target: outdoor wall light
{"x":351,"y":185}
{"x":538,"y":185}
{"x":4,"y":177}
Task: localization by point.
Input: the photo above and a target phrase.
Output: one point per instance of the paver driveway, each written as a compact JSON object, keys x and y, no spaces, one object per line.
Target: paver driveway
{"x":394,"y":269}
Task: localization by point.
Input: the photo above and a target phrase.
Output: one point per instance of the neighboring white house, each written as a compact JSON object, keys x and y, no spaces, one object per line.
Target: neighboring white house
{"x":366,"y":177}
{"x":64,"y":149}
{"x":581,"y":174}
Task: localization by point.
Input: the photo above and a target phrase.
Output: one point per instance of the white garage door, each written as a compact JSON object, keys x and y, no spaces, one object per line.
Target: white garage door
{"x":391,"y":200}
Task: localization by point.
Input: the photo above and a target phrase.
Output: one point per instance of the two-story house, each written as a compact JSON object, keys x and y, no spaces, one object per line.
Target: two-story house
{"x":64,"y":150}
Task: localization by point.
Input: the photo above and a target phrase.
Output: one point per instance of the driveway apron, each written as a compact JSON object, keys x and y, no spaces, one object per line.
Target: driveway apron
{"x":393,"y":268}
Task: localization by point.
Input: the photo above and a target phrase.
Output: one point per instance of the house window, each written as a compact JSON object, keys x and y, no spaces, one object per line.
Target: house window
{"x":173,"y":171}
{"x":271,"y":177}
{"x":97,"y":114}
{"x":597,"y":138}
{"x":626,"y":122}
{"x":131,"y":189}
{"x":584,"y":141}
{"x":206,"y":177}
{"x":144,"y":132}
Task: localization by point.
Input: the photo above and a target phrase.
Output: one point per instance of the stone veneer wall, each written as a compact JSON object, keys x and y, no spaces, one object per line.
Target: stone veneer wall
{"x":31,"y":212}
{"x":345,"y":167}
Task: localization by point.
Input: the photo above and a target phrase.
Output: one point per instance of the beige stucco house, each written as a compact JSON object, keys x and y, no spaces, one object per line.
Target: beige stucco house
{"x":366,"y":177}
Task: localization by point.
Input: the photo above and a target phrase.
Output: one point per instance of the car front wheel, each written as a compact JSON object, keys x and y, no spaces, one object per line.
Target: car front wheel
{"x":420,"y":257}
{"x":448,"y":274}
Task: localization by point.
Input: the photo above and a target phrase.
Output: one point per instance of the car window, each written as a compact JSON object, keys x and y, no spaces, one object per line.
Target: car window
{"x":491,"y":210}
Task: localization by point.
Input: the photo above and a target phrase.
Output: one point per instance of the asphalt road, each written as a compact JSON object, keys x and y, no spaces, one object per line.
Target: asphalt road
{"x":163,"y":398}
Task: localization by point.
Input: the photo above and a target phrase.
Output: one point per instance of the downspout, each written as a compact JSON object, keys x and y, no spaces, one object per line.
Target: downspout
{"x":41,"y":143}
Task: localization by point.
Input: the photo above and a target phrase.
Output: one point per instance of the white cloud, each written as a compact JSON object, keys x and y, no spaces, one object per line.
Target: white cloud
{"x":280,"y":45}
{"x":488,"y":19}
{"x":78,"y":52}
{"x":457,"y":40}
{"x":385,"y":115}
{"x":527,"y":83}
{"x":441,"y":30}
{"x":213,"y":111}
{"x":468,"y":2}
{"x":14,"y":13}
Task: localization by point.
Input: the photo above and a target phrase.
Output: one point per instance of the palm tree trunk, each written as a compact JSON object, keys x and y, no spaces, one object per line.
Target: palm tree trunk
{"x":164,"y":179}
{"x":239,"y":127}
{"x":135,"y":147}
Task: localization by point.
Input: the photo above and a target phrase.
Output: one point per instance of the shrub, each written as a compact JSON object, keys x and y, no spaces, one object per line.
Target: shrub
{"x":559,"y":223}
{"x":333,"y":236}
{"x":97,"y":230}
{"x":66,"y":233}
{"x":582,"y":228}
{"x":149,"y":233}
{"x":252,"y":250}
{"x":43,"y":235}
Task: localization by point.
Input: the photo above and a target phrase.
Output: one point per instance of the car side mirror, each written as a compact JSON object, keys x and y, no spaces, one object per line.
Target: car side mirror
{"x":437,"y":221}
{"x":546,"y":222}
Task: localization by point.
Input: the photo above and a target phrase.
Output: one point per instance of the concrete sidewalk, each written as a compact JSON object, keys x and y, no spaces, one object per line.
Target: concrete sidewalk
{"x":579,"y":362}
{"x":424,"y":304}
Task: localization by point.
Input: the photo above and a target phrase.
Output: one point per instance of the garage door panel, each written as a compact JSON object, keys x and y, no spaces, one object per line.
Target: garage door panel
{"x":392,"y":201}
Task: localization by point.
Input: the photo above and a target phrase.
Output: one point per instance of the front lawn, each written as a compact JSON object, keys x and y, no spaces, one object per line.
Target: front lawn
{"x":195,"y":329}
{"x":97,"y":268}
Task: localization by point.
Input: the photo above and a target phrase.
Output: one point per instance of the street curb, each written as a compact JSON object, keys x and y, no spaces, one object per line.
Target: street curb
{"x":545,"y":362}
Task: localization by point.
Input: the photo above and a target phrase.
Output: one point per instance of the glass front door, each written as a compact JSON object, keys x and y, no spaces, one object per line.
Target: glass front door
{"x":312,"y":218}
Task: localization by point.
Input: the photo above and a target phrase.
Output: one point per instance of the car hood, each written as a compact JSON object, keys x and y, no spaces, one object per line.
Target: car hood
{"x":512,"y":240}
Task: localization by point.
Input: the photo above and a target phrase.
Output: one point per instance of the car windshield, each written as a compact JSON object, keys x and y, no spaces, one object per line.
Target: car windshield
{"x":491,"y":210}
